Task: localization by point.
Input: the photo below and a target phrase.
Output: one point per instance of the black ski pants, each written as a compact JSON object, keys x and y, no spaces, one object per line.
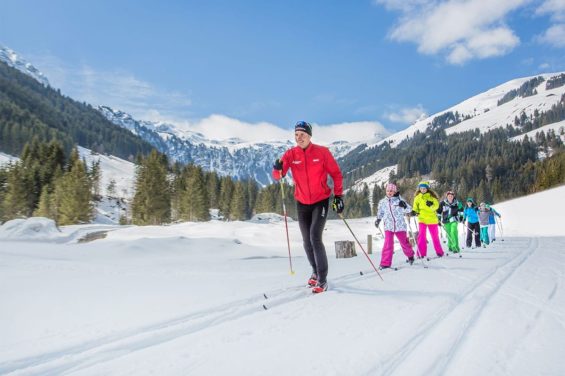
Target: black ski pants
{"x":312,"y":219}
{"x":476,"y":229}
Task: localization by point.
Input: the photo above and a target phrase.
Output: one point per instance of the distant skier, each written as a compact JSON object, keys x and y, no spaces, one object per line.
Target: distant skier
{"x":310,"y":165}
{"x":484,"y":215}
{"x":425,"y":206}
{"x":492,"y":222}
{"x":472,"y":223}
{"x":391,"y":210}
{"x":451,"y":212}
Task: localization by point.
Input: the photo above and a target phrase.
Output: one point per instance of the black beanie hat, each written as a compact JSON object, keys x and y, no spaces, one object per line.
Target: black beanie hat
{"x":304,"y":127}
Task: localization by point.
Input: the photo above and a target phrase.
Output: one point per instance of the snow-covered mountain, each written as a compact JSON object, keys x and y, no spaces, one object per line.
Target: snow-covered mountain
{"x":234,"y":157}
{"x":498,"y":107}
{"x":485,"y":111}
{"x":11,"y":58}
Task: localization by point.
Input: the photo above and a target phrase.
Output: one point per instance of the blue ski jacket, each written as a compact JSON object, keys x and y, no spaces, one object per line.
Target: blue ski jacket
{"x":470,"y":214}
{"x":491,"y":219}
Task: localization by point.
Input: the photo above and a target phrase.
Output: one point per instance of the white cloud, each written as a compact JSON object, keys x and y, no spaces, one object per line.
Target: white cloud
{"x":487,"y":44}
{"x":554,"y":8}
{"x":117,"y":88}
{"x":544,"y":66}
{"x":407,"y":115}
{"x":352,"y":132}
{"x":220,"y":127}
{"x":460,"y":29}
{"x":554,"y":36}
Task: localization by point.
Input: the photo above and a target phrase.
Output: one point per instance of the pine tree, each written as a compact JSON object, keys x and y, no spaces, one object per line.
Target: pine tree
{"x":73,"y":195}
{"x":238,"y":201}
{"x":111,"y":188}
{"x":252,"y":192}
{"x":15,"y":203}
{"x":213,"y":188}
{"x":152,"y":201}
{"x":226,"y":192}
{"x":45,"y":208}
{"x":95,"y":176}
{"x":194,"y":197}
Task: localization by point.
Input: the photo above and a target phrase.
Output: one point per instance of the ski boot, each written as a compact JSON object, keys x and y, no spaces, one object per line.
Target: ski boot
{"x":313,"y":280}
{"x":320,"y":287}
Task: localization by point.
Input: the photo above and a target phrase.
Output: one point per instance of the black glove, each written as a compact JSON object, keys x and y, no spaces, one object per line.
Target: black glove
{"x":412,"y":213}
{"x":337,"y":204}
{"x":377,"y":222}
{"x":429,"y":203}
{"x":278,"y":165}
{"x":402,"y":204}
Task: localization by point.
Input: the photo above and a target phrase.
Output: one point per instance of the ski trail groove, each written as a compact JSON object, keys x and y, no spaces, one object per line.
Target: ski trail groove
{"x":475,"y":296}
{"x":114,"y":346}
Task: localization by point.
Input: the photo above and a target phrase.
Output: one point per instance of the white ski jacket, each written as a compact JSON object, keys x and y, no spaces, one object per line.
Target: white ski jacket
{"x":392,"y":215}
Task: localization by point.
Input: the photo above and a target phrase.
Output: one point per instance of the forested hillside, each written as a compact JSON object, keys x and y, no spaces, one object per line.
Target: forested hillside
{"x":29,"y":110}
{"x":492,"y":162}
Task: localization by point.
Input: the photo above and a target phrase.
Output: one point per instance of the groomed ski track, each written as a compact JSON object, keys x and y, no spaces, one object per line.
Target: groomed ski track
{"x":439,"y":330}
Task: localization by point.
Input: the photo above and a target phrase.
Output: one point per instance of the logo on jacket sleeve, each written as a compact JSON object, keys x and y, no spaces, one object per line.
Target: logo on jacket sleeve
{"x":296,"y":162}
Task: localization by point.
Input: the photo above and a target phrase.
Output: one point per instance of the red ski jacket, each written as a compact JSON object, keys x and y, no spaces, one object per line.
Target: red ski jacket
{"x":310,"y":168}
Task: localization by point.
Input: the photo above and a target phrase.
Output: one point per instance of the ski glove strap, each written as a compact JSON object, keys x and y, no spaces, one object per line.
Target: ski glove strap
{"x":337,"y":204}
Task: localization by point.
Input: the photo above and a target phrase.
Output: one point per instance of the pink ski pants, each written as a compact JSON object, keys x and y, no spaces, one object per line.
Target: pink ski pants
{"x":386,"y":256}
{"x":422,"y":242}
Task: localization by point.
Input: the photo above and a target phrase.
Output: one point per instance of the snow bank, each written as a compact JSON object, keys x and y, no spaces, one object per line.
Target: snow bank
{"x":538,"y":214}
{"x":268,"y":218}
{"x":35,"y":228}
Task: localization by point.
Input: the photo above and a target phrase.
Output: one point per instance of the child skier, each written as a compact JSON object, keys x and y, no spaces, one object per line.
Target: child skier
{"x":451,"y":211}
{"x":392,"y":210}
{"x":425,"y":206}
{"x":492,"y":223}
{"x":484,"y":215}
{"x":472,"y":223}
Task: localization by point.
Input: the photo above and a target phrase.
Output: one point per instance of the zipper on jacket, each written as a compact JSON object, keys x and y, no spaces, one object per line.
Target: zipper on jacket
{"x":392,"y":215}
{"x":307,"y":175}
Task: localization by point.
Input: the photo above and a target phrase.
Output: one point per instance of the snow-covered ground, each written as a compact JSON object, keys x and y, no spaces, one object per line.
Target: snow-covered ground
{"x":6,"y":158}
{"x":113,"y":168}
{"x":190,"y":299}
{"x":558,"y":128}
{"x":378,"y":178}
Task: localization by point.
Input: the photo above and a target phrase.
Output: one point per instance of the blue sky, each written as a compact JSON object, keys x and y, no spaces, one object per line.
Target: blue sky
{"x":380,"y":62}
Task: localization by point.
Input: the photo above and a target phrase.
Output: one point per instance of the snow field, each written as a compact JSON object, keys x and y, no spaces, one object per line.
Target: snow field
{"x":188,"y":299}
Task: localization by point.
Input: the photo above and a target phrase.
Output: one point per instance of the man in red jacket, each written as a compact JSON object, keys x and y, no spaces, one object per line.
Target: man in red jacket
{"x":310,"y":165}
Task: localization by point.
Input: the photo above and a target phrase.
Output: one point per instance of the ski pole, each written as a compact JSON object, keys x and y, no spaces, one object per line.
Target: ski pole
{"x":450,"y":237}
{"x":363,"y":249}
{"x":411,"y":233}
{"x":499,"y":223}
{"x":381,"y":231}
{"x":286,"y":224}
